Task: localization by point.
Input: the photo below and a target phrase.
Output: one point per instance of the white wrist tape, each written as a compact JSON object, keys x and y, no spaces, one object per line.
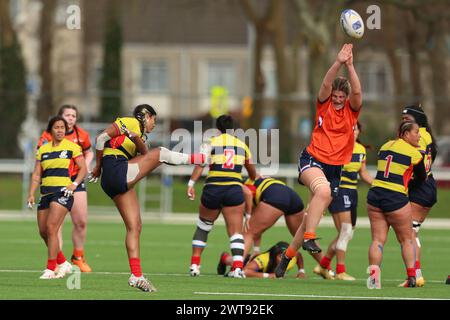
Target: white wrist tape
{"x":191,"y":183}
{"x":75,"y":183}
{"x":101,"y":140}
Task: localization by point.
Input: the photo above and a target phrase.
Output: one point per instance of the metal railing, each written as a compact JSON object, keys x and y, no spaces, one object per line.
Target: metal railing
{"x":166,"y":175}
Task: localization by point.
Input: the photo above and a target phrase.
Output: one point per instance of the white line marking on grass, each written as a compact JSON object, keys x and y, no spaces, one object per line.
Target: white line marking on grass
{"x":307,"y":296}
{"x":187,"y":275}
{"x":112,"y":243}
{"x":102,"y":273}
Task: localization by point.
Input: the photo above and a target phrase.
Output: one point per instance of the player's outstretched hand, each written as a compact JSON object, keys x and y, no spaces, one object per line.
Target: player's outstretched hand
{"x":345,"y":53}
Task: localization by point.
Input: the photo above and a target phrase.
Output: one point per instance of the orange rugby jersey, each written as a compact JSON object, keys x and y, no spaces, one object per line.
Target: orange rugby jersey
{"x":332,"y":139}
{"x":78,"y":136}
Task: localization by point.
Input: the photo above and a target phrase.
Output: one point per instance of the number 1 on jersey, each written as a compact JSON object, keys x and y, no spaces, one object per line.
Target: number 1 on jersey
{"x":388,"y":165}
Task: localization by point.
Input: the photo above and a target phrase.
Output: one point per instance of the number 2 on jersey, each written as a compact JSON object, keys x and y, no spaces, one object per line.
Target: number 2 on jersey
{"x":229,"y":159}
{"x":388,"y":165}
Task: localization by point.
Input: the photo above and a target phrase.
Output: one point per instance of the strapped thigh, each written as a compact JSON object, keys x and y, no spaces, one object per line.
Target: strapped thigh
{"x":317,"y":183}
{"x":132,"y":172}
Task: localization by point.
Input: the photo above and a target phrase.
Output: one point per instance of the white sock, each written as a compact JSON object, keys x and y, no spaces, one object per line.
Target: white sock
{"x":171,"y":157}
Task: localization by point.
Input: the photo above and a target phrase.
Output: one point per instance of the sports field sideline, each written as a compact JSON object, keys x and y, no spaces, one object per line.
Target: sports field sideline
{"x":190,"y":219}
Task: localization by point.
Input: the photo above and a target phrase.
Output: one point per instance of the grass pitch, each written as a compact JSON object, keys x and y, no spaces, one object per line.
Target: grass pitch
{"x":165,"y":256}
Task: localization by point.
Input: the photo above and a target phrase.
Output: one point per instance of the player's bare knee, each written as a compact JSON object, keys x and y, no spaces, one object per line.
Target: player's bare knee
{"x":139,"y":227}
{"x":135,"y":228}
{"x":324,"y":193}
{"x":51,"y":229}
{"x":255,"y":235}
{"x":320,"y":187}
{"x":80,"y":225}
{"x":43,"y":234}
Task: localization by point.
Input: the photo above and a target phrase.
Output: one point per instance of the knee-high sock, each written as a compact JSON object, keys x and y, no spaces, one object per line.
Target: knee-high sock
{"x":171,"y":157}
{"x":237,"y":250}
{"x":201,"y":237}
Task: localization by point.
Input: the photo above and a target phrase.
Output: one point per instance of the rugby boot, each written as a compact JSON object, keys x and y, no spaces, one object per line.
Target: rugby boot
{"x":81,"y":263}
{"x":311,"y":246}
{"x":280,"y":270}
{"x":141,"y":283}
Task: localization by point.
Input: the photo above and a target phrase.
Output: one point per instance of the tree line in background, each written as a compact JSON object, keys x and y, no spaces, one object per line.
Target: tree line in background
{"x":13,"y":99}
{"x":424,"y":32}
{"x":13,"y":74}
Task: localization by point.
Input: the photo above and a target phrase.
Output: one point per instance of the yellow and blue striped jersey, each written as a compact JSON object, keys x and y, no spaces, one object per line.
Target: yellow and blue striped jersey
{"x":228,"y":156}
{"x":55,"y":163}
{"x":122,"y":145}
{"x":261,"y":184}
{"x":349,"y":174}
{"x":425,"y":148}
{"x":396,"y":159}
{"x":264,"y":258}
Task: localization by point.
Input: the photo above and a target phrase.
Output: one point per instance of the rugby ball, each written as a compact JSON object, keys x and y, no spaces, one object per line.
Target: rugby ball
{"x":352,"y":23}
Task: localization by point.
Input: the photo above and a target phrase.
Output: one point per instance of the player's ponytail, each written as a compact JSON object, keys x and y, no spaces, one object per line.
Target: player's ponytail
{"x":404,"y":127}
{"x":139,"y":113}
{"x":421,"y":118}
{"x":274,"y":251}
{"x":367,"y":146}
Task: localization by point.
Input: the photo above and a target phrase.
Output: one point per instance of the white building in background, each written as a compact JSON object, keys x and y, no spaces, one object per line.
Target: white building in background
{"x":169,"y":59}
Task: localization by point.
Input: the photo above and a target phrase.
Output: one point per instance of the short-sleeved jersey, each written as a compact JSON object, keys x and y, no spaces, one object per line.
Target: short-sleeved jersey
{"x":55,"y":163}
{"x":121,"y":145}
{"x":349,"y":173}
{"x":332,"y":139}
{"x":228,"y":156}
{"x":425,"y":148}
{"x":396,"y":159}
{"x":263,"y":262}
{"x":78,"y":136}
{"x":261,"y":184}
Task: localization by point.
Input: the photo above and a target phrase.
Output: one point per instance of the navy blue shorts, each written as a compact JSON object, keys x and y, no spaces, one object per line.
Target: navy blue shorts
{"x":423,"y":193}
{"x":332,"y":172}
{"x":386,"y":200}
{"x":283,"y":198}
{"x":346,"y":200}
{"x":44,"y":202}
{"x":81,"y":186}
{"x":114,"y":175}
{"x":216,"y":196}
